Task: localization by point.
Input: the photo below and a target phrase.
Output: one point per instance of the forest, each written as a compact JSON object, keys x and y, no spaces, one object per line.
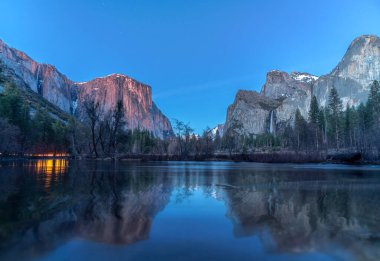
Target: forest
{"x":332,"y":128}
{"x":26,"y":129}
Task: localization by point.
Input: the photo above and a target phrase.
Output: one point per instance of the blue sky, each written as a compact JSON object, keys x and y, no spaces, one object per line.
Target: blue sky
{"x":194,"y":54}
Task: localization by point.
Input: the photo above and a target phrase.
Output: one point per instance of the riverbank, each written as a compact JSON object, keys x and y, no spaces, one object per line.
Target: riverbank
{"x":263,"y":157}
{"x":343,"y":157}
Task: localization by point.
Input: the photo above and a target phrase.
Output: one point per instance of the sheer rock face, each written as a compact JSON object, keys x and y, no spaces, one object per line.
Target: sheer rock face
{"x":253,"y":113}
{"x":43,"y":79}
{"x":139,"y":109}
{"x":281,"y":84}
{"x":352,"y":78}
{"x":293,"y":91}
{"x":249,"y":113}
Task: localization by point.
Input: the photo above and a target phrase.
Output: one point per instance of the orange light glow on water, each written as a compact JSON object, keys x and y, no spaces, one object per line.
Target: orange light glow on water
{"x":52,"y":169}
{"x":51,"y":166}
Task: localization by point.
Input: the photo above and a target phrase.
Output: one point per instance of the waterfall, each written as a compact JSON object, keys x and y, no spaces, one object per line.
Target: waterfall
{"x":271,"y":122}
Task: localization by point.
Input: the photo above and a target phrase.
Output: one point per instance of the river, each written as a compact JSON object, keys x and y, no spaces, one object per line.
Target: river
{"x":93,"y":210}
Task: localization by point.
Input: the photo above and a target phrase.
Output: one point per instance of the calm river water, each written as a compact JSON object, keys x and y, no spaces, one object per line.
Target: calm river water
{"x":83,"y":210}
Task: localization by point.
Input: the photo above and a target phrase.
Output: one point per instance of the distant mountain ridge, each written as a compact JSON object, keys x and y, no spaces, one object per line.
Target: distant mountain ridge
{"x":45,"y":80}
{"x":274,"y":107}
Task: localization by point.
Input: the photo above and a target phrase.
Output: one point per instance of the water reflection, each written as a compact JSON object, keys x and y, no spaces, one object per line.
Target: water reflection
{"x":45,"y":204}
{"x":51,"y":166}
{"x":310,"y":217}
{"x":51,"y":170}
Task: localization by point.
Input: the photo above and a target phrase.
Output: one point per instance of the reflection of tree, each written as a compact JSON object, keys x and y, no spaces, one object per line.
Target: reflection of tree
{"x":289,"y":209}
{"x":190,"y":179}
{"x":96,"y":201}
{"x":121,"y":215}
{"x":306,"y":215}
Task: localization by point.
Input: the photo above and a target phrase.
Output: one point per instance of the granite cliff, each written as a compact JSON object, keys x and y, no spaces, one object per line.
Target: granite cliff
{"x":46,"y":81}
{"x":140,"y":112}
{"x":352,"y":77}
{"x":274,"y":107}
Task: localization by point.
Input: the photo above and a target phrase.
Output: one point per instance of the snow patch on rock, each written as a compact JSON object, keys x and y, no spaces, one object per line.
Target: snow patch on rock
{"x":304,"y":77}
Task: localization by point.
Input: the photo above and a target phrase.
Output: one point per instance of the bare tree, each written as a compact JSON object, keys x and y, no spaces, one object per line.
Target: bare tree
{"x":207,"y":140}
{"x":183,"y":133}
{"x":93,"y":113}
{"x":78,"y":137}
{"x":104,"y":134}
{"x":117,"y":124}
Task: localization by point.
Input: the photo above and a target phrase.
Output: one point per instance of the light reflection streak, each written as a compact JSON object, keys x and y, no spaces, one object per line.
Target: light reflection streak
{"x":51,"y":170}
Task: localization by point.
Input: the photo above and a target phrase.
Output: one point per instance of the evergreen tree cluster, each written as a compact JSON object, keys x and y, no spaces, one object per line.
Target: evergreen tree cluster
{"x":28,"y":130}
{"x":33,"y":130}
{"x":335,"y":127}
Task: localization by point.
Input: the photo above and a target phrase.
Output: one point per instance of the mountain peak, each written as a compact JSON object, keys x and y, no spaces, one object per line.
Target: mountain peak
{"x":367,"y":38}
{"x":113,"y":77}
{"x":352,"y":77}
{"x":361,"y":62}
{"x":362,"y":45}
{"x":304,"y":77}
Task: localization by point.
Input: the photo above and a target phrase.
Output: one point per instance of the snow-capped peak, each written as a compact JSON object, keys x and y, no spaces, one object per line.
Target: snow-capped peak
{"x":304,"y":77}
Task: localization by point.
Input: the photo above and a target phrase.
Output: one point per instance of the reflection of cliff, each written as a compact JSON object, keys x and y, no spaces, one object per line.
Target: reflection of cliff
{"x":308,"y":215}
{"x":121,"y":218}
{"x":92,"y":202}
{"x":290,"y":209}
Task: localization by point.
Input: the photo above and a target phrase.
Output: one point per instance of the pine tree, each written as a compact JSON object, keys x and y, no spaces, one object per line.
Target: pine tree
{"x":314,"y":110}
{"x":348,"y":126}
{"x":373,"y":104}
{"x":362,"y":125}
{"x":300,"y":128}
{"x":374,"y":96}
{"x":322,"y":124}
{"x":313,"y":120}
{"x":43,"y":128}
{"x":59,"y":136}
{"x":372,"y":116}
{"x":14,"y":108}
{"x":335,"y":108}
